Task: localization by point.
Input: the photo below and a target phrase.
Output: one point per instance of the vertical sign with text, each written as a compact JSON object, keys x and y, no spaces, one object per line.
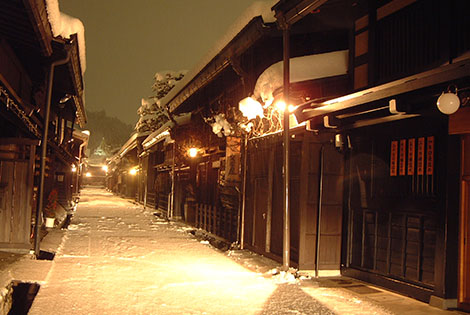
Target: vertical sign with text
{"x":411,"y":156}
{"x":420,"y":164}
{"x":402,"y":160}
{"x":393,"y":158}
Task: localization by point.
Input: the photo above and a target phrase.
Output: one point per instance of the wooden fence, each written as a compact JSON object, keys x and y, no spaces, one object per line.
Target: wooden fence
{"x":219,"y":221}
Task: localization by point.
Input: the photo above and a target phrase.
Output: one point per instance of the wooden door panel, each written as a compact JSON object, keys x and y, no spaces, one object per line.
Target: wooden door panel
{"x":260,"y":208}
{"x":464,"y":261}
{"x":15,"y":210}
{"x":464,"y":295}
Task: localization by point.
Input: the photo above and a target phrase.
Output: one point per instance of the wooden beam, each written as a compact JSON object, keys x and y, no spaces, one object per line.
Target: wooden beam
{"x":415,"y":82}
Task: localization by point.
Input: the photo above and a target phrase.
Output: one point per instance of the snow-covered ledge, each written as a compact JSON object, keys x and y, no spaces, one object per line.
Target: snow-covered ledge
{"x":65,"y":25}
{"x":301,"y":69}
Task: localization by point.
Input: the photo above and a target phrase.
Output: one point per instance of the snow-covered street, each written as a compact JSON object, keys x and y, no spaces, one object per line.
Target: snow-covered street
{"x":119,"y":258}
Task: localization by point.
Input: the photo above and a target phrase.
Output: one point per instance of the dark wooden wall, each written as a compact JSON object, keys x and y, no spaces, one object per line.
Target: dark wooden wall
{"x":263,"y":216}
{"x":399,"y":214}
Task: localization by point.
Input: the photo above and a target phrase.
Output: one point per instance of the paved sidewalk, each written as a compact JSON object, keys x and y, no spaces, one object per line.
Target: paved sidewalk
{"x":118,"y":258}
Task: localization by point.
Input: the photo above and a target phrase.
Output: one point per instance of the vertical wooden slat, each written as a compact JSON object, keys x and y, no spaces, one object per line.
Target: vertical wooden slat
{"x":376,"y":236}
{"x":3,"y":203}
{"x":216,"y":209}
{"x":420,"y":252}
{"x":204,"y":212}
{"x":389,"y":251}
{"x":403,"y":248}
{"x":269,"y":207}
{"x":198,"y":216}
{"x":363,"y":237}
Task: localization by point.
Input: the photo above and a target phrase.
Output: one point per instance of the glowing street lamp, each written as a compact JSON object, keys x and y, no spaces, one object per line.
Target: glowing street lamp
{"x":105,"y":168}
{"x":88,"y":174}
{"x":250,"y":108}
{"x":133,"y":171}
{"x":280,"y":105}
{"x":192,"y":152}
{"x":74,"y":168}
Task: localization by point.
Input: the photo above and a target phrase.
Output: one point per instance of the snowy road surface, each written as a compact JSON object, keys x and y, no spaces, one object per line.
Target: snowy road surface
{"x":118,"y":258}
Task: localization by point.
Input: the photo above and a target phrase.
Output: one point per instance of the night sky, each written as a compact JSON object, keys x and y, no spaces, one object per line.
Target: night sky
{"x":128,"y":41}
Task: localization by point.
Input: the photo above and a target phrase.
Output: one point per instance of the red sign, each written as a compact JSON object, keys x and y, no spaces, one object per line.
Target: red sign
{"x":430,"y":156}
{"x":393,"y":158}
{"x":420,"y":164}
{"x":411,"y":156}
{"x":402,"y":161}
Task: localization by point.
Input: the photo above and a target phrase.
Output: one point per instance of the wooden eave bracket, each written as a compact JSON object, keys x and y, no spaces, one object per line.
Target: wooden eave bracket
{"x":425,"y":79}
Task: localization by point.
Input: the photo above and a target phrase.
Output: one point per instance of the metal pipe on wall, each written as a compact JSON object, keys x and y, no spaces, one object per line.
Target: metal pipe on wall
{"x":39,"y":207}
{"x":243,"y":205}
{"x":286,"y":139}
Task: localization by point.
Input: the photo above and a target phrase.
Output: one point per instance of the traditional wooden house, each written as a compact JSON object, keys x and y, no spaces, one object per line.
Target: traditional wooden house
{"x":404,"y":141}
{"x":225,"y":205}
{"x":35,"y":108}
{"x":123,"y":169}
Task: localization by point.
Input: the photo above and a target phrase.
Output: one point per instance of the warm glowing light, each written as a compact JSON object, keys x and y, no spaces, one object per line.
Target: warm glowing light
{"x":104,"y":168}
{"x":280,"y":105}
{"x":88,"y":174}
{"x":250,"y":108}
{"x":192,"y":152}
{"x":133,"y":171}
{"x":291,"y":108}
{"x":448,"y":103}
{"x":87,"y":132}
{"x":74,"y":168}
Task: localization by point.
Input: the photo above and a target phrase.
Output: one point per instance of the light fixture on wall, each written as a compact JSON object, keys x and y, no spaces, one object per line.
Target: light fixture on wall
{"x":192,"y":152}
{"x":449,"y":102}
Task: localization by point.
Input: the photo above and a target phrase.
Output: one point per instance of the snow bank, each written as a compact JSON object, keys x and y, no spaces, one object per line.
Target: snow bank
{"x":301,"y":69}
{"x":65,"y":25}
{"x":258,"y":8}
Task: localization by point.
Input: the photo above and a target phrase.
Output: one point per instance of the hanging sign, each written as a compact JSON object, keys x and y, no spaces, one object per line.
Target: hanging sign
{"x":402,"y":160}
{"x":393,"y":158}
{"x":430,"y":156}
{"x":411,"y":156}
{"x":420,"y":164}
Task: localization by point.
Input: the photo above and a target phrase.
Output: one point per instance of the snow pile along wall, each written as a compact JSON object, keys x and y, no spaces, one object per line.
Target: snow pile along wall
{"x":65,"y":25}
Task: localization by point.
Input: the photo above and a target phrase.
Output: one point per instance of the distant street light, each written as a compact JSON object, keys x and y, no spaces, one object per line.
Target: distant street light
{"x":192,"y":152}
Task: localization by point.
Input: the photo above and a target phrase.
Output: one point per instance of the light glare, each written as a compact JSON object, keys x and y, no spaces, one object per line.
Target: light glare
{"x":250,"y":108}
{"x":192,"y":152}
{"x":280,"y":105}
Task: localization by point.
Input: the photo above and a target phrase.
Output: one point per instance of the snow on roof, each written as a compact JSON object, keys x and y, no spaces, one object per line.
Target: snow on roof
{"x":301,"y":69}
{"x":258,"y":8}
{"x":65,"y":25}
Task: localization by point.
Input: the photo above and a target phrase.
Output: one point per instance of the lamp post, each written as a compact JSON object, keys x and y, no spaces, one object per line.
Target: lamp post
{"x":286,"y":171}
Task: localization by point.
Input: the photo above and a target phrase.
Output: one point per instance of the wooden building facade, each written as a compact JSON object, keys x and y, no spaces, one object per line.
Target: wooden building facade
{"x":404,"y":187}
{"x":379,"y":176}
{"x":28,"y":54}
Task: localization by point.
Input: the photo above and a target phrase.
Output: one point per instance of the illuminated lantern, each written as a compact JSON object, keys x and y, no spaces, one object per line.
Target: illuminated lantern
{"x":251,"y":108}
